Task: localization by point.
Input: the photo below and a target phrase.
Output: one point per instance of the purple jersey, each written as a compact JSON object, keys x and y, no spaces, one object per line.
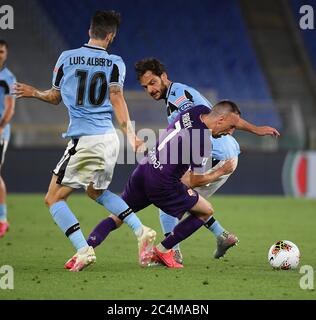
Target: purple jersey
{"x":184,"y":144}
{"x":156,"y":180}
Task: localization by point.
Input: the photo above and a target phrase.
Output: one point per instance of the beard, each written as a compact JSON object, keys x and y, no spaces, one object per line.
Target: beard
{"x":164,"y":90}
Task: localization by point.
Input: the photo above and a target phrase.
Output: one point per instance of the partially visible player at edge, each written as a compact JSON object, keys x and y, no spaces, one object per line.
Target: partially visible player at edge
{"x":90,"y":81}
{"x":152,"y":75}
{"x":7,"y":105}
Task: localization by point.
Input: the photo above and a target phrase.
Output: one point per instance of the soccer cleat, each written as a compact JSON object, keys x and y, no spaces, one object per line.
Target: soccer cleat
{"x":225,"y":241}
{"x":84,"y":259}
{"x":71,"y":262}
{"x":4,"y":227}
{"x":145,"y":245}
{"x":178,"y":256}
{"x":155,"y":261}
{"x":167,"y":258}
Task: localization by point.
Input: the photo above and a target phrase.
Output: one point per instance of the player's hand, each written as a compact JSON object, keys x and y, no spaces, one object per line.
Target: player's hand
{"x":228,"y":167}
{"x":23,"y":90}
{"x":267,"y":131}
{"x":139,"y":145}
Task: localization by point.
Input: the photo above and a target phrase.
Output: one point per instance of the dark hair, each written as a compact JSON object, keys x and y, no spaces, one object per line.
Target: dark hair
{"x":103,"y":23}
{"x":149,"y":64}
{"x":4,"y":43}
{"x":226,"y":106}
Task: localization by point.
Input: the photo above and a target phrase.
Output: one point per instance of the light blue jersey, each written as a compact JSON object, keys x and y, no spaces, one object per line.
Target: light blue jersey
{"x":180,"y":97}
{"x":7,"y":79}
{"x":83,"y":77}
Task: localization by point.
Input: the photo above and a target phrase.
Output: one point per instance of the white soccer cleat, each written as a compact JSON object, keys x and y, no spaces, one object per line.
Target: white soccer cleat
{"x":70,"y":263}
{"x":145,"y":246}
{"x":84,"y":259}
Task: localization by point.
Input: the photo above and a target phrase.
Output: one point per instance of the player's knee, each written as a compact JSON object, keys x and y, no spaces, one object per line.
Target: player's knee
{"x":50,"y":200}
{"x":117,"y":221}
{"x":93,"y":193}
{"x":209,"y":211}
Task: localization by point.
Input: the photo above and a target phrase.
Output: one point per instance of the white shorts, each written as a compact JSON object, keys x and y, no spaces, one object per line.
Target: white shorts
{"x":209,"y":189}
{"x":3,"y":149}
{"x":89,"y":159}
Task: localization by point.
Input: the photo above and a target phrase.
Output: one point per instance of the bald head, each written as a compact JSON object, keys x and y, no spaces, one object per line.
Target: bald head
{"x":223,"y":118}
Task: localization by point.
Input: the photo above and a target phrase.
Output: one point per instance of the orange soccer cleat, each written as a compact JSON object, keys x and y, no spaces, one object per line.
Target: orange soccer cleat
{"x":168,"y":258}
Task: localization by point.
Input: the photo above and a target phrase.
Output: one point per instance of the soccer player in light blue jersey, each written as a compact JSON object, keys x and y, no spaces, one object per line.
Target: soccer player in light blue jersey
{"x":7,"y":105}
{"x":90,"y":82}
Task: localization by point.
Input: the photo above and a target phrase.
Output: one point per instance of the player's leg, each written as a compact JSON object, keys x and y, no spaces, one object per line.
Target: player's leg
{"x":71,"y":173}
{"x":200,"y":213}
{"x":55,"y":199}
{"x":98,"y":191}
{"x":118,"y":207}
{"x":134,"y":198}
{"x":4,"y":224}
{"x":224,"y":238}
{"x":101,"y":231}
{"x":168,"y":223}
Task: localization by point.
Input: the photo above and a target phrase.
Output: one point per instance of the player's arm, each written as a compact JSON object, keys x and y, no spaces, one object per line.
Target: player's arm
{"x":193,"y":180}
{"x":122,"y":116}
{"x":53,"y":95}
{"x":9,"y":107}
{"x":23,"y":90}
{"x":260,"y":131}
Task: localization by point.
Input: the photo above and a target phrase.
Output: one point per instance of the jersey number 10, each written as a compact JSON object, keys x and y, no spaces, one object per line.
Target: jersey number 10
{"x":96,"y":98}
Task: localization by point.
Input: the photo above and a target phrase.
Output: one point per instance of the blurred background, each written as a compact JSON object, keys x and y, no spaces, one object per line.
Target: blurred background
{"x":249,"y":51}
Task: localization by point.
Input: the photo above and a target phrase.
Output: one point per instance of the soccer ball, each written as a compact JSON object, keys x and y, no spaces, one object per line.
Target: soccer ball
{"x":284,"y":255}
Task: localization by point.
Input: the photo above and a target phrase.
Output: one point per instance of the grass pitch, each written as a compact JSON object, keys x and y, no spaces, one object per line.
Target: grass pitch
{"x":37,"y":250}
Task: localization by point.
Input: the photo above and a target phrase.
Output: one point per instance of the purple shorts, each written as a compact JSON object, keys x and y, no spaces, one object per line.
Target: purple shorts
{"x":144,"y":188}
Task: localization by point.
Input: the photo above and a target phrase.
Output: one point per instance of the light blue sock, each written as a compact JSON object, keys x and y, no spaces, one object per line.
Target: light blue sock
{"x":3,"y":212}
{"x":214,"y":226}
{"x":119,"y":208}
{"x":168,"y":223}
{"x":68,"y":223}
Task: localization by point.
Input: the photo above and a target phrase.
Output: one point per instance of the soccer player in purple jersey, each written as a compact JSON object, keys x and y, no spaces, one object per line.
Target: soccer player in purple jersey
{"x":179,"y":97}
{"x":184,"y":145}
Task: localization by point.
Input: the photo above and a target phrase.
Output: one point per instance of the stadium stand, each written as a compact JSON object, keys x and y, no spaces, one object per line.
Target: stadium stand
{"x":211,"y":50}
{"x":309,"y":36}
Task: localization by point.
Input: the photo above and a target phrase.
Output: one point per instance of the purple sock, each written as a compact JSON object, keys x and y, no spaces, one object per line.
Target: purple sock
{"x":101,"y":231}
{"x":182,"y":231}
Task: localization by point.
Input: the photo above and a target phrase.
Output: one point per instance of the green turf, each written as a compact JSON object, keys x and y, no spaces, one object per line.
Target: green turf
{"x":37,"y":250}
